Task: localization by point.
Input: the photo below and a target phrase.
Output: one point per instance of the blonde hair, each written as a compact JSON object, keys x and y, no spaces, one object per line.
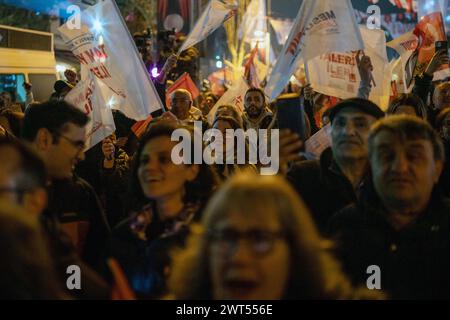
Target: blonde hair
{"x":314,"y":272}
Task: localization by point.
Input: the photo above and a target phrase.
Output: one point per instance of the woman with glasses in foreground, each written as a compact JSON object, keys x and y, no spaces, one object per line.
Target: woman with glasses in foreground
{"x":258,"y":241}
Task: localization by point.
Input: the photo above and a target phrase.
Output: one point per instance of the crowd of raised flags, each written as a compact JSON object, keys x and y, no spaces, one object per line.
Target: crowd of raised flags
{"x":324,"y":40}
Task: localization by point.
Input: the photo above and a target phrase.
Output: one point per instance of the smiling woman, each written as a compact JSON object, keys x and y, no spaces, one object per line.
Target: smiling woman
{"x":164,"y":199}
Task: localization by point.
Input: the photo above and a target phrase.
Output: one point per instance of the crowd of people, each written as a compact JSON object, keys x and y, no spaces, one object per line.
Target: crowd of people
{"x":378,"y":196}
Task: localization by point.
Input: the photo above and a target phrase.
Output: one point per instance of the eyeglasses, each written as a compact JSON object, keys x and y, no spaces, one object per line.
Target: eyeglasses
{"x":261,"y":241}
{"x":79,"y":145}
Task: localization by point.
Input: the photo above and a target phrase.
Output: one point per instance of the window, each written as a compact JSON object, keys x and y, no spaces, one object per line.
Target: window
{"x":13,"y":83}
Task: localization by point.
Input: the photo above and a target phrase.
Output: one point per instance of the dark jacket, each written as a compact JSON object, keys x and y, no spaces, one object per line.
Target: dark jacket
{"x":146,"y":261}
{"x":77,"y":208}
{"x":63,"y":255}
{"x":444,"y":182}
{"x":265,"y":121}
{"x":322,"y":186}
{"x":414,"y":262}
{"x":113,"y":186}
{"x":423,"y":87}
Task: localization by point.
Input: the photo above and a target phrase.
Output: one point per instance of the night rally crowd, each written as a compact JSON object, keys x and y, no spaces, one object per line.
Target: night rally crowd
{"x":123,"y":210}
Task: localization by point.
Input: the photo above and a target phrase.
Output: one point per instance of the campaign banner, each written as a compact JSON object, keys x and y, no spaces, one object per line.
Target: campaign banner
{"x":93,"y":98}
{"x":234,"y":96}
{"x":105,"y":49}
{"x":336,"y":74}
{"x":214,"y":15}
{"x":320,"y":27}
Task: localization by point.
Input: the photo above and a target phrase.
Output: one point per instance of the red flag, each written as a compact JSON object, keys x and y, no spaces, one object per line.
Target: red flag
{"x":429,"y":30}
{"x":184,"y":9}
{"x":139,"y":127}
{"x":183,"y":82}
{"x":162,"y":9}
{"x":121,"y":289}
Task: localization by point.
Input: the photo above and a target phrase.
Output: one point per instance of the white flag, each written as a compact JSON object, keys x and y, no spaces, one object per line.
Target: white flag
{"x":320,"y":27}
{"x":282,"y":28}
{"x":254,"y":25}
{"x":104,"y":46}
{"x":406,"y":46}
{"x":215,"y":14}
{"x":234,"y":96}
{"x":92,"y":97}
{"x":336,"y":74}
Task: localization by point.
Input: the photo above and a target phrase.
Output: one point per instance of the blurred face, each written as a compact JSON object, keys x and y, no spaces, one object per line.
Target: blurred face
{"x":349,"y":133}
{"x":181,"y":104}
{"x":158,"y":176}
{"x":249,"y":258}
{"x":207,"y":105}
{"x":405,"y":109}
{"x":254,"y":104}
{"x":61,"y":157}
{"x":404,"y":172}
{"x":222,"y":126}
{"x":12,"y":188}
{"x":441,"y":96}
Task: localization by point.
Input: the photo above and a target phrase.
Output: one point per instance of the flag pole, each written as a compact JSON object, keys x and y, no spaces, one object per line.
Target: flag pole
{"x":137,"y":53}
{"x":306,"y":72}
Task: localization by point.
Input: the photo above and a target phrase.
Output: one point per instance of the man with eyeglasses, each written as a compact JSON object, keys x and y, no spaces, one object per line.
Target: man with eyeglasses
{"x":56,"y":131}
{"x":23,"y":181}
{"x":182,"y":108}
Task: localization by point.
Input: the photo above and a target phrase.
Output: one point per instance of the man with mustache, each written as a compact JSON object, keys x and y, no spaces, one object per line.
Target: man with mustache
{"x":332,"y":182}
{"x":402,"y":223}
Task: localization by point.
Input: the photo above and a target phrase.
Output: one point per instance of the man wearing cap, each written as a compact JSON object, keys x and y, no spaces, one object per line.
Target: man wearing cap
{"x":332,"y":182}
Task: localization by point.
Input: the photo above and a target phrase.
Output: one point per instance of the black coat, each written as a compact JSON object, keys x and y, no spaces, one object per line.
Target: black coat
{"x":146,"y":262}
{"x":414,"y":262}
{"x":78,"y":210}
{"x":322,"y":186}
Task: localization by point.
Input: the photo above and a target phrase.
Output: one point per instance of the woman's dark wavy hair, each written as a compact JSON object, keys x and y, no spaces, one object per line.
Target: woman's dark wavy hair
{"x":197,"y":191}
{"x":409,"y":99}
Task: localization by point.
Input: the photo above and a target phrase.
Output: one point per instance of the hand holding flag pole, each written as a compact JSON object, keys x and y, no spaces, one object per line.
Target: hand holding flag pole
{"x":365,"y":67}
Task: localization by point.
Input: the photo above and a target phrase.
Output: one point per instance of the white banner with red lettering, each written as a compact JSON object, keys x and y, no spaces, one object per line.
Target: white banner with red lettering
{"x":104,"y":46}
{"x":234,"y":96}
{"x":214,"y":15}
{"x":93,"y":98}
{"x":336,"y":74}
{"x":320,"y":27}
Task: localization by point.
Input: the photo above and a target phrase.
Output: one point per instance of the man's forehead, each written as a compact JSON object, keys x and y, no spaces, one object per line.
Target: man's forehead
{"x":180,"y":94}
{"x":72,"y":130}
{"x":253,"y":94}
{"x":352,"y":112}
{"x":387,"y":138}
